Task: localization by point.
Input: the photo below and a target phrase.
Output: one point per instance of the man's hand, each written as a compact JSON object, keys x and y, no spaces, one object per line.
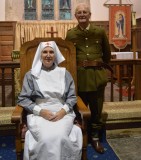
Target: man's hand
{"x":46,"y":114}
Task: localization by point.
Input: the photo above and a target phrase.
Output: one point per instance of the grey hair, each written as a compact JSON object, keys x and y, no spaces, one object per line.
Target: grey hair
{"x":85,"y":5}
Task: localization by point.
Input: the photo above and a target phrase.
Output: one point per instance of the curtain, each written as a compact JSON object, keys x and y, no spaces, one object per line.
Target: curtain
{"x":29,"y":30}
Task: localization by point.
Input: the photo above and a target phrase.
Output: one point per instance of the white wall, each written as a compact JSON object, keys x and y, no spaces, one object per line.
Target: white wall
{"x":14,"y":10}
{"x":2,"y":10}
{"x":137,"y":8}
{"x":101,"y":13}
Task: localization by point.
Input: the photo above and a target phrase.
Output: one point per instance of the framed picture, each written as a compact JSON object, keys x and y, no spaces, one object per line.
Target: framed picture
{"x":120,"y":25}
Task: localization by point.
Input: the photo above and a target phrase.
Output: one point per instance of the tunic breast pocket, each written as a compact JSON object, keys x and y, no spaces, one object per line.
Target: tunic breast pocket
{"x":97,"y":45}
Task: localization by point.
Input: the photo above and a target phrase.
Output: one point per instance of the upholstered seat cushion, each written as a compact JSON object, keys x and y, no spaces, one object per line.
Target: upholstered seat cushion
{"x":5,"y":115}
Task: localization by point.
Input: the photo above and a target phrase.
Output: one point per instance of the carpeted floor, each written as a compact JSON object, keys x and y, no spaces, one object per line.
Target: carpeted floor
{"x":7,"y":150}
{"x":109,"y":154}
{"x":127,"y":148}
{"x":120,"y":145}
{"x":126,"y":143}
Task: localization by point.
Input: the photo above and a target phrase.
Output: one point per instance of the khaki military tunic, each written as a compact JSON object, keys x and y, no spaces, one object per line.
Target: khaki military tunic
{"x":91,"y":44}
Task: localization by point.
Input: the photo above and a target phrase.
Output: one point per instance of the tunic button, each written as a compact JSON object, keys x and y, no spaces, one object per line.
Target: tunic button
{"x":86,"y":46}
{"x":86,"y":38}
{"x":87,"y":54}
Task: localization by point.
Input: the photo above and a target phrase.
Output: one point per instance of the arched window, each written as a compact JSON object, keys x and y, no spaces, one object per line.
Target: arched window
{"x":48,"y":9}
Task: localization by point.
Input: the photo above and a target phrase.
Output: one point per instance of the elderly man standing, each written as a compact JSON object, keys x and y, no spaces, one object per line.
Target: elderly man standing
{"x":92,"y":50}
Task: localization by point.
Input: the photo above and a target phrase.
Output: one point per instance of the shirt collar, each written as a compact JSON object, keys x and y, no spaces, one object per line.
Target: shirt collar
{"x":87,"y":28}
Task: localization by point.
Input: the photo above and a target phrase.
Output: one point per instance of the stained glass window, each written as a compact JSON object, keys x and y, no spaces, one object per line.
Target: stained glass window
{"x":47,"y":9}
{"x":30,"y":9}
{"x":65,"y":9}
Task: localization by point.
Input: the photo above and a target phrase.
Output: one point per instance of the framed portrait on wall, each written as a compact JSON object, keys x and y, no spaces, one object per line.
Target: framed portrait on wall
{"x":120,"y":25}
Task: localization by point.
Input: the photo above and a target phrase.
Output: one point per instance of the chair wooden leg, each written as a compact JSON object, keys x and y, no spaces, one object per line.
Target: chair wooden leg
{"x":18,"y":149}
{"x":18,"y":156}
{"x":18,"y":143}
{"x":85,"y":141}
{"x":84,"y":154}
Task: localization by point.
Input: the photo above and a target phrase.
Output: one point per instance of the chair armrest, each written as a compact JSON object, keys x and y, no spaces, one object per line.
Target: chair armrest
{"x":17,"y":115}
{"x":83,"y":109}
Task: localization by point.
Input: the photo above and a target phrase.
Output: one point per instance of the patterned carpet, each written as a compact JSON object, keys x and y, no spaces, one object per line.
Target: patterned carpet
{"x":7,"y":150}
{"x":108,"y":155}
{"x":124,"y":144}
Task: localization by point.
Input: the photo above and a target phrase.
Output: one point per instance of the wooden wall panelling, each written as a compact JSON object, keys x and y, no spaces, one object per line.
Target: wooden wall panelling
{"x":7,"y":38}
{"x":138,"y":37}
{"x":139,"y":22}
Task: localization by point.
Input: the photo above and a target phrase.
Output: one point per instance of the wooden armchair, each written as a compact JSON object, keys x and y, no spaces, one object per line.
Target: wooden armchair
{"x":26,"y":56}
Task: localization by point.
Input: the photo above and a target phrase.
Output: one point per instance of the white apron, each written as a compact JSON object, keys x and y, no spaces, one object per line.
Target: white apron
{"x":46,"y":140}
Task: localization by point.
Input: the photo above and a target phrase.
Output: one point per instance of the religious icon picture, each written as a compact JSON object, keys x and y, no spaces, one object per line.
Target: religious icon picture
{"x":120,"y":25}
